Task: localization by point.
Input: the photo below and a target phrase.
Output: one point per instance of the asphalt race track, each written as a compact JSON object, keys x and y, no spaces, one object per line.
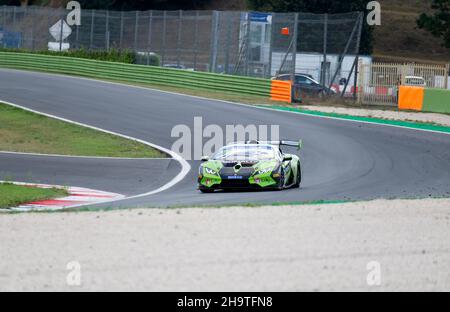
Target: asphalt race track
{"x":342,"y":160}
{"x":124,"y":176}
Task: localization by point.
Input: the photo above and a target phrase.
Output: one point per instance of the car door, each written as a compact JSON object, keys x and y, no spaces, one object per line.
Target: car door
{"x":307,"y":86}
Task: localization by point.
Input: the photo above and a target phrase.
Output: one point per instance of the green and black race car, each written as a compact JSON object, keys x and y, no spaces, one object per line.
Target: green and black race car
{"x":251,"y":165}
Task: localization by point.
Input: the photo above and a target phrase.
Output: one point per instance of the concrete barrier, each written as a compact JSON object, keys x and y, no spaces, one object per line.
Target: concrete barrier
{"x":437,"y":101}
{"x":424,"y":99}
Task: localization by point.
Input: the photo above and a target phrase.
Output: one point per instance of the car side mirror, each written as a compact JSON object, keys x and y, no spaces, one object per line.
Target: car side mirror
{"x":287,"y":158}
{"x":205,"y":158}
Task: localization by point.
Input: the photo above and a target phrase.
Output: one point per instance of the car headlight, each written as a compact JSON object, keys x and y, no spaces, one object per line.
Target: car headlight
{"x":210,"y":171}
{"x":264,"y":171}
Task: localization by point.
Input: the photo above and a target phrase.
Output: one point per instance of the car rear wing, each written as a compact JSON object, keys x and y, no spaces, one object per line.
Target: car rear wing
{"x":297,"y":144}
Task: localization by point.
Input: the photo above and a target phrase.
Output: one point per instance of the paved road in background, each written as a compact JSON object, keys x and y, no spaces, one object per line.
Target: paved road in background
{"x":342,"y":160}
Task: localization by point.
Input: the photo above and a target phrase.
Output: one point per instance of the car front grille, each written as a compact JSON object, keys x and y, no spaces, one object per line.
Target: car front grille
{"x":245,"y":172}
{"x":235,"y":184}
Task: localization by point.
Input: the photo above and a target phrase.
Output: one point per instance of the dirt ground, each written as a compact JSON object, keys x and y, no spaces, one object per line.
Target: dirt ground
{"x":399,"y":245}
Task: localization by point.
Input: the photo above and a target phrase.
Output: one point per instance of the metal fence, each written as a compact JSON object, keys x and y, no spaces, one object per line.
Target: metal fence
{"x":241,"y":43}
{"x":378,"y":83}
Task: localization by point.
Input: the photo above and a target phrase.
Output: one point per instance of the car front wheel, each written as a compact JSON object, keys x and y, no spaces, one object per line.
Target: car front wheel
{"x":206,"y":191}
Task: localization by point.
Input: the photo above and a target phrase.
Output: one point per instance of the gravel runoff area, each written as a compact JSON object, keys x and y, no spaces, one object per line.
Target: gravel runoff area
{"x":441,"y":119}
{"x":401,"y":244}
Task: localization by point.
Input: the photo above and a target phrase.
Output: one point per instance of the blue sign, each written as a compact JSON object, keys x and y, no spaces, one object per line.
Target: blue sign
{"x":260,"y":17}
{"x":10,"y":39}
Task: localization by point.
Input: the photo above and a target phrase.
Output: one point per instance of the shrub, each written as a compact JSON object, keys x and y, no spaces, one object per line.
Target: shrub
{"x":114,"y":55}
{"x":146,"y":58}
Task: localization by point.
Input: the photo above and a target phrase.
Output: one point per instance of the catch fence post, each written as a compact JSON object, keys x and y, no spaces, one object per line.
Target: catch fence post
{"x":294,"y":49}
{"x":228,"y":42}
{"x":77,"y":36}
{"x":163,"y":45}
{"x":196,"y":39}
{"x":136,"y":27}
{"x":272,"y":40}
{"x":214,"y":40}
{"x":360,"y":86}
{"x":247,"y":44}
{"x":31,"y":15}
{"x":91,"y":39}
{"x":61,"y":32}
{"x":149,"y":38}
{"x":358,"y":45}
{"x":121,"y":30}
{"x":180,"y":17}
{"x":107,"y":31}
{"x":325,"y":41}
{"x":447,"y":72}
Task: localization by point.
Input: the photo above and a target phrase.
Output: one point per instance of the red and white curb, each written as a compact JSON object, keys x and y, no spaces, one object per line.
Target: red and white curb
{"x":78,"y":196}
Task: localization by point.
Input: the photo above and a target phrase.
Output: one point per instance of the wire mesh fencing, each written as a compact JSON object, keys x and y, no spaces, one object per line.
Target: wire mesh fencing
{"x":379,"y":82}
{"x":324,"y":47}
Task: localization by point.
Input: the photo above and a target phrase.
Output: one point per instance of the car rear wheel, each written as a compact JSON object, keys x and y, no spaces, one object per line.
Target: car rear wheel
{"x":281,"y":183}
{"x":298,"y":181}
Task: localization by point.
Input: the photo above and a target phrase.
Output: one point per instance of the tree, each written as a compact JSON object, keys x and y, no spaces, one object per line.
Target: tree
{"x":128,"y":5}
{"x":319,"y":7}
{"x":118,"y":4}
{"x":438,"y":24}
{"x":309,"y":6}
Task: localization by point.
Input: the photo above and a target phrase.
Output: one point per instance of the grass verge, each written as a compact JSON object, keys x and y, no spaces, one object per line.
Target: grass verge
{"x":12,"y":195}
{"x":23,"y":131}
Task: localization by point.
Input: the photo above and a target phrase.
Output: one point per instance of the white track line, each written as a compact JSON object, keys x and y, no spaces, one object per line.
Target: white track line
{"x":352,"y":120}
{"x":82,"y":157}
{"x":77,"y":197}
{"x":185,"y":167}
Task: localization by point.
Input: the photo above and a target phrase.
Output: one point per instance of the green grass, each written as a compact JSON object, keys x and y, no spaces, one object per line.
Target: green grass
{"x":14,"y":195}
{"x":23,"y":131}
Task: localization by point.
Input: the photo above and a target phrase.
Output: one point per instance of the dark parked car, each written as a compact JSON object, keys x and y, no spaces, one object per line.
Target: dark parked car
{"x":308,"y":86}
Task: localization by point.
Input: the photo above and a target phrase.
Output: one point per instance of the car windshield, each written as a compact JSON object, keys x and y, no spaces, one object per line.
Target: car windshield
{"x":305,"y":80}
{"x":245,"y":153}
{"x":314,"y":80}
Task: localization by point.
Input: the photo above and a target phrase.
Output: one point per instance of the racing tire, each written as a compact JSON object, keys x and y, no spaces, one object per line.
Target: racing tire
{"x":206,"y":191}
{"x":299,"y":176}
{"x":280,"y":186}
